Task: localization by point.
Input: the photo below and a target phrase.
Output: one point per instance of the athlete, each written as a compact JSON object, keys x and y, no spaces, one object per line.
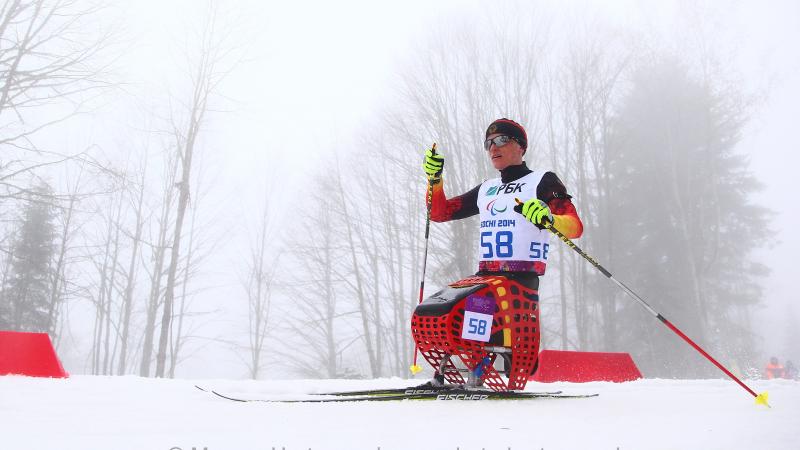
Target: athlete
{"x":774,"y":369}
{"x":511,"y":244}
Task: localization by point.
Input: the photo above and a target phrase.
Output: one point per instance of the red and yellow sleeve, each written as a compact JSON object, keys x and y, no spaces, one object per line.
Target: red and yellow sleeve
{"x":442,"y":208}
{"x":565,"y":217}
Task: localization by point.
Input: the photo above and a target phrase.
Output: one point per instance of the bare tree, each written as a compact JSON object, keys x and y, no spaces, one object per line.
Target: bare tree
{"x":579,"y":96}
{"x":208,"y":74}
{"x":57,"y":290}
{"x":369,"y":316}
{"x":46,"y":58}
{"x":315,"y":316}
{"x":199,"y":247}
{"x":130,"y":276}
{"x":158,"y":255}
{"x":102,"y":297}
{"x":258,"y":285}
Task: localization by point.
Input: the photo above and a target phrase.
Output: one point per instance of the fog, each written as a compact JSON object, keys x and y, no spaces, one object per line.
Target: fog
{"x":309,"y":86}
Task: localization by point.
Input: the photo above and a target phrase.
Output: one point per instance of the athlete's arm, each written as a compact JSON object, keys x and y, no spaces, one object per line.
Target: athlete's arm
{"x":565,"y":218}
{"x":444,"y":209}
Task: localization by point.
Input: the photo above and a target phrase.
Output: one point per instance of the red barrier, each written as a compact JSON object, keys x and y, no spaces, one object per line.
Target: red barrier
{"x":29,"y":354}
{"x":582,"y":367}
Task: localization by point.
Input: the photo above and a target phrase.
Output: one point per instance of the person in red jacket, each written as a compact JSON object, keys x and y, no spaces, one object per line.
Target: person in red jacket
{"x":513,"y":240}
{"x":510,"y":244}
{"x":774,"y":369}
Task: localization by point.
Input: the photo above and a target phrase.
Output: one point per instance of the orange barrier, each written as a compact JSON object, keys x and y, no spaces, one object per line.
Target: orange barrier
{"x":29,"y":354}
{"x":582,"y":367}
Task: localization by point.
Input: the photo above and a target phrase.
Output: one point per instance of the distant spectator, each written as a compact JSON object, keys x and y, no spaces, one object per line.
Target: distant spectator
{"x":790,"y":371}
{"x":774,"y":369}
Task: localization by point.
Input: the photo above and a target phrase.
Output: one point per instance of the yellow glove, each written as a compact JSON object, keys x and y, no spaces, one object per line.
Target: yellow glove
{"x":536,"y":211}
{"x":434,"y":165}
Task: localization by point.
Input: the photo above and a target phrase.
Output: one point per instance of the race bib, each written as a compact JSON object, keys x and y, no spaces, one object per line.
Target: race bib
{"x":478,"y":316}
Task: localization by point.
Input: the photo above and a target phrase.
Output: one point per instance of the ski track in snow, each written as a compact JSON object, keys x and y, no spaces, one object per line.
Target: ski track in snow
{"x":120,"y":413}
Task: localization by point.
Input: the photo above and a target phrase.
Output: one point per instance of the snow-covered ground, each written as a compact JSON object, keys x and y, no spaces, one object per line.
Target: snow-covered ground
{"x":115,"y":413}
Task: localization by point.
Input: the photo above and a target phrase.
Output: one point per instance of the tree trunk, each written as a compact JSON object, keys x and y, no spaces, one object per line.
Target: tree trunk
{"x":58,"y":270}
{"x":108,"y":357}
{"x":169,"y":292}
{"x":154,"y":299}
{"x":200,"y":97}
{"x":127,"y":301}
{"x":363,"y":304}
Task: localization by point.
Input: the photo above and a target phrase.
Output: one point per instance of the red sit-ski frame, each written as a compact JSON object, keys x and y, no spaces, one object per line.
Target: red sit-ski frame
{"x":515,"y":327}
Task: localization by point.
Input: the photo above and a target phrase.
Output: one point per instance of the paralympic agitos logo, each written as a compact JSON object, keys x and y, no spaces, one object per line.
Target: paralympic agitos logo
{"x":493,"y":209}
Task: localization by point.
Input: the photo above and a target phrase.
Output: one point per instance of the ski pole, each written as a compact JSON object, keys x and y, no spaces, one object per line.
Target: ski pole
{"x":415,"y":369}
{"x":760,"y":398}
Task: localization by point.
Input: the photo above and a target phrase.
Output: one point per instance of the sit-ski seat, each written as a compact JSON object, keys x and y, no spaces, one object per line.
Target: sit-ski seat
{"x":455,"y":323}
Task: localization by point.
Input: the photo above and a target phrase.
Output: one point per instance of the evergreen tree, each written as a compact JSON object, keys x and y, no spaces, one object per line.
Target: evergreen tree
{"x":692,"y":228}
{"x":26,"y":294}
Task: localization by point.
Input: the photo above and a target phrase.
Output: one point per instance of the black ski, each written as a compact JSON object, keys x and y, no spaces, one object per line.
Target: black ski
{"x":416,"y":394}
{"x":395,"y":391}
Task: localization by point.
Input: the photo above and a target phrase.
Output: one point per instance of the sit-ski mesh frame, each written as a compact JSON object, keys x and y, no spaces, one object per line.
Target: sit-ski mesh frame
{"x":516,"y":319}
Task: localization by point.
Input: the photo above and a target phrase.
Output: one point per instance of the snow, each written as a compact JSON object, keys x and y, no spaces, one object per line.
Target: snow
{"x":90,"y":412}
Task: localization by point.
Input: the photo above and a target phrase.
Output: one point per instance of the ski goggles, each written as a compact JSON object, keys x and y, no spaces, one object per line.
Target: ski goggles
{"x":498,"y":141}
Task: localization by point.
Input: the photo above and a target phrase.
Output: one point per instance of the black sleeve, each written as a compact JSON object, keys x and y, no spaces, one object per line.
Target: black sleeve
{"x":468,"y":204}
{"x":551,"y":187}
